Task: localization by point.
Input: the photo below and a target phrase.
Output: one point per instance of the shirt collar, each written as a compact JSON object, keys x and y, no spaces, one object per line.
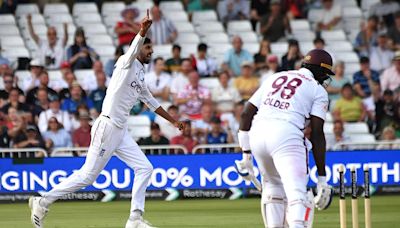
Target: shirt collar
{"x":306,"y":72}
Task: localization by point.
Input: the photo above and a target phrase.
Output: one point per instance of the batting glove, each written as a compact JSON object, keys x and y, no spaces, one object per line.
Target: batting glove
{"x":244,"y":167}
{"x":324,"y":194}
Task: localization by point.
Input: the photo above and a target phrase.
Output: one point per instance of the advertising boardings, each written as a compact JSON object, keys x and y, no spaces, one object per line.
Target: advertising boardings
{"x":184,"y":176}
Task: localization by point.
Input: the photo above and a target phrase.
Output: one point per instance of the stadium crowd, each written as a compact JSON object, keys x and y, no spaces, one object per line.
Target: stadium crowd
{"x":45,"y":114}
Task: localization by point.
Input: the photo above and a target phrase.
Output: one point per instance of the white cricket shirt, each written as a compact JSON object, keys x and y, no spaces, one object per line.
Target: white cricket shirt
{"x":127,"y":85}
{"x":291,"y":96}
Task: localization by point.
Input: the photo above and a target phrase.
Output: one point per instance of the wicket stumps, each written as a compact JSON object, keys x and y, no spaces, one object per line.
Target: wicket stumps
{"x":354,"y":197}
{"x":342,"y":200}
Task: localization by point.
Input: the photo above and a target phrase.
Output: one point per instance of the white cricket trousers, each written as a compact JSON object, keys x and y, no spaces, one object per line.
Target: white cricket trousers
{"x":107,"y":139}
{"x":281,"y":155}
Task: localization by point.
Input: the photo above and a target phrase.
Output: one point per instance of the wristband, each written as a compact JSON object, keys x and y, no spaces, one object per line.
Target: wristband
{"x":243,"y":137}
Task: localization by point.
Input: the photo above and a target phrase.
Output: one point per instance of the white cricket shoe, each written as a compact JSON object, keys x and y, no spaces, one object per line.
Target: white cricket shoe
{"x":37,"y":212}
{"x":138,"y":223}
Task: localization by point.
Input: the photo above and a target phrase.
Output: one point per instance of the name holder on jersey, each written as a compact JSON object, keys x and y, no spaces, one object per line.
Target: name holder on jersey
{"x":277,"y":103}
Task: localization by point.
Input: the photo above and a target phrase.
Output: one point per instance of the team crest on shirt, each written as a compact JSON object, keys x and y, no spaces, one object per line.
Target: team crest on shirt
{"x":102,"y":151}
{"x":135,"y":85}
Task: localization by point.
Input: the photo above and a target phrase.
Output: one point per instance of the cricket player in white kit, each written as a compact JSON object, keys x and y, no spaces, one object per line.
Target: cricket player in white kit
{"x":110,"y":136}
{"x":282,"y":107}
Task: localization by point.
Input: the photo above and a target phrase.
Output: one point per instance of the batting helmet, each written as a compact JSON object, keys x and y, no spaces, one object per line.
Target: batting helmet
{"x":320,"y":58}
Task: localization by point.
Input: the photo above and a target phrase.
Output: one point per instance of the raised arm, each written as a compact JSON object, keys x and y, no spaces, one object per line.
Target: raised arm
{"x":65,"y":38}
{"x":34,"y":36}
{"x":137,"y":43}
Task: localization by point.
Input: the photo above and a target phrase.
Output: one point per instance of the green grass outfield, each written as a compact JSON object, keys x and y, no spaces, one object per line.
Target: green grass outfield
{"x":189,"y":213}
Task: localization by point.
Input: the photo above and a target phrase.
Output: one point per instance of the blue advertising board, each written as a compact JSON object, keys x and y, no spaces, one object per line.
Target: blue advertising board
{"x":187,"y":172}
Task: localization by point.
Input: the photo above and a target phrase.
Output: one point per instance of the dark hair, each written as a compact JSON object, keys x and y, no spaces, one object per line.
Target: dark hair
{"x":292,"y":42}
{"x":147,"y":41}
{"x":202,"y":47}
{"x":347,"y":86}
{"x":375,"y":18}
{"x":75,"y":48}
{"x":318,"y":40}
{"x":215,"y":120}
{"x":364,"y":59}
{"x":176,"y":46}
{"x":157,"y":59}
{"x":173,"y":107}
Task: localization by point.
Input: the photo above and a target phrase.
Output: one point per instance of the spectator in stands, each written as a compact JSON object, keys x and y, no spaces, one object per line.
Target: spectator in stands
{"x":8,"y":7}
{"x":56,"y":135}
{"x":186,"y":139}
{"x":231,"y":120}
{"x":339,"y":136}
{"x":57,"y":84}
{"x":89,"y":82}
{"x":274,"y":25}
{"x":272,"y":66}
{"x":217,"y":135}
{"x":258,"y":9}
{"x":158,"y":81}
{"x":234,"y":10}
{"x":35,"y":68}
{"x":14,"y":102}
{"x":206,"y":66}
{"x":15,"y":122}
{"x":80,"y":55}
{"x":366,"y":84}
{"x":155,"y":138}
{"x":292,"y":56}
{"x":225,"y":95}
{"x":349,"y":108}
{"x":389,"y":135}
{"x":30,"y":138}
{"x":385,"y":11}
{"x":367,"y":37}
{"x":51,"y":52}
{"x":98,"y":95}
{"x":386,"y":111}
{"x":127,"y":29}
{"x":381,"y":56}
{"x":174,"y":63}
{"x":163,"y":30}
{"x":81,"y":136}
{"x":234,"y":58}
{"x":390,"y":78}
{"x":40,"y":104}
{"x":8,"y":81}
{"x":193,"y":96}
{"x":202,"y":126}
{"x":109,"y":68}
{"x":319,"y":43}
{"x":75,"y":120}
{"x":295,"y":8}
{"x":167,"y":129}
{"x":32,"y":96}
{"x":338,"y":81}
{"x":180,"y":80}
{"x":260,"y":58}
{"x":69,"y":78}
{"x":77,"y":98}
{"x":394,"y":32}
{"x":54,"y":110}
{"x":247,"y":83}
{"x":331,"y":16}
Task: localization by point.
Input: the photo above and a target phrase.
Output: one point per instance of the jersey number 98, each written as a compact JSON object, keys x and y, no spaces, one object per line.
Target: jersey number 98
{"x":289,"y":87}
